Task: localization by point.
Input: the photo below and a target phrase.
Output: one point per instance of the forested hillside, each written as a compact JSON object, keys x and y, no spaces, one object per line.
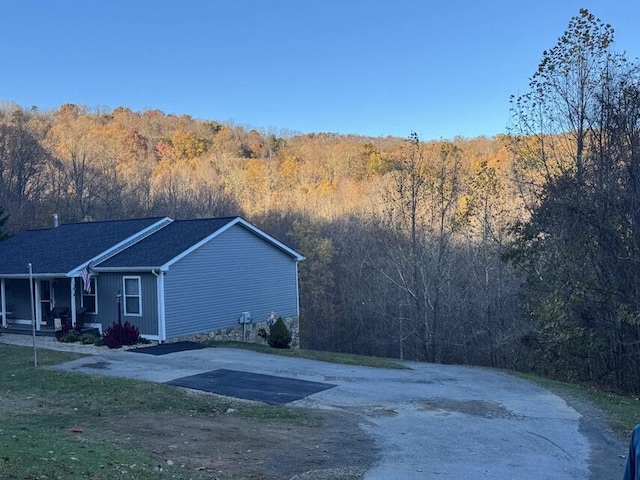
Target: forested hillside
{"x":519,"y":251}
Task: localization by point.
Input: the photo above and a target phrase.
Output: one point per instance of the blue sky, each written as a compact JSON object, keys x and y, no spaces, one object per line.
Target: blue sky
{"x":367,"y":67}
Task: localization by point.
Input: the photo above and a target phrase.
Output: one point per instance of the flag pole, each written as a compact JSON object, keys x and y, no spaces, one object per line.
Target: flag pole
{"x":33,"y":317}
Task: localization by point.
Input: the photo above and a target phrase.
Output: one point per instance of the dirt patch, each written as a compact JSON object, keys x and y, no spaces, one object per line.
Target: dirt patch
{"x":227,"y":446}
{"x":477,"y":408}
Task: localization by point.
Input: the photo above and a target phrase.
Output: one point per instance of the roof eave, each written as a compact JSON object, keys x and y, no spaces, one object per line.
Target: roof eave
{"x":127,"y":269}
{"x":34,"y":274}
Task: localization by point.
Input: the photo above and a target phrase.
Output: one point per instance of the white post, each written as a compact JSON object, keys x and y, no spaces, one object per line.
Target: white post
{"x":4,"y":303}
{"x":33,"y":318}
{"x":73,"y":302}
{"x":36,"y":305}
{"x":162,"y":319}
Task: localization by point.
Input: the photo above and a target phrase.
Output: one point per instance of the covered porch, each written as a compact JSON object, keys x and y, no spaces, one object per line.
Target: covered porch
{"x":53,"y":300}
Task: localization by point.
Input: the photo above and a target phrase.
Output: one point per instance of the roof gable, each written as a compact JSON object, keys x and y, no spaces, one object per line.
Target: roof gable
{"x":179,"y":238}
{"x":165,"y":244}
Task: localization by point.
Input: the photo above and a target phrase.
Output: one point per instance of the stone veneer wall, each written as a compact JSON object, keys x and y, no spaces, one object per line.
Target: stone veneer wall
{"x":236,"y":334}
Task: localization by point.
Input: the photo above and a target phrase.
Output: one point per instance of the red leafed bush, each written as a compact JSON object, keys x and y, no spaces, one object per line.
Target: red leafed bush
{"x":119,"y":334}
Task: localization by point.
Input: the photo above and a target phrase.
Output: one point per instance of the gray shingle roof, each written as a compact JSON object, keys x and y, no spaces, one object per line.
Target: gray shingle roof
{"x":166,"y":243}
{"x":60,"y":250}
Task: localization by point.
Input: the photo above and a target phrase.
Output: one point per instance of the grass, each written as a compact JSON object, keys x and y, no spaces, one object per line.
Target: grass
{"x":40,"y":407}
{"x":331,"y":357}
{"x":621,"y":412}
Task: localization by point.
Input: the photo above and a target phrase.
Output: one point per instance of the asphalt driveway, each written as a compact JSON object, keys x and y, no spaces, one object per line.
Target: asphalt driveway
{"x":430,"y":421}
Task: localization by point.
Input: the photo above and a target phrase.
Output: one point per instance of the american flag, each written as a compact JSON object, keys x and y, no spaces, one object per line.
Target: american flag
{"x":86,"y":277}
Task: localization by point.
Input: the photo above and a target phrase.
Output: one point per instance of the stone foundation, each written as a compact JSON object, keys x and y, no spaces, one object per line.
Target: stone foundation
{"x":249,"y":334}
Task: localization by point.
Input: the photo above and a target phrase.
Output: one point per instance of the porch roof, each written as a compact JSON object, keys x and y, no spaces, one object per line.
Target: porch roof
{"x":59,"y":250}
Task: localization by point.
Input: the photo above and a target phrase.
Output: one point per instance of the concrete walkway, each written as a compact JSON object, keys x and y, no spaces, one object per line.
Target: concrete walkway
{"x":428,"y":422}
{"x":49,"y":343}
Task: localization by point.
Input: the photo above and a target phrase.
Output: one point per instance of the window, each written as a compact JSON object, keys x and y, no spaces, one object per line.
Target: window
{"x":132,"y":296}
{"x":90,"y":299}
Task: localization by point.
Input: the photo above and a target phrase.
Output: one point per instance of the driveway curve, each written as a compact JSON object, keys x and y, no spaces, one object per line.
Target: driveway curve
{"x":428,"y":421}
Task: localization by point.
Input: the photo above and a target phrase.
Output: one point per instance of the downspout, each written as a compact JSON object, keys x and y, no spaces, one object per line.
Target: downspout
{"x":162,"y":325}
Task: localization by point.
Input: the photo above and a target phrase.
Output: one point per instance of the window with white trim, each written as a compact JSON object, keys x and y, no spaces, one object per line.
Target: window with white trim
{"x":89,"y":299}
{"x":132,"y":296}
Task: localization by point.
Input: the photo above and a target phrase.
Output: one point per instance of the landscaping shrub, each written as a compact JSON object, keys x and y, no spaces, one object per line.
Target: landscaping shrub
{"x":70,"y":336}
{"x":279,"y":335}
{"x":88,"y":339}
{"x":119,"y":334}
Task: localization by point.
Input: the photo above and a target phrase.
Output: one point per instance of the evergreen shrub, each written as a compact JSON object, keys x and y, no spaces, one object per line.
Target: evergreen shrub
{"x":279,"y":335}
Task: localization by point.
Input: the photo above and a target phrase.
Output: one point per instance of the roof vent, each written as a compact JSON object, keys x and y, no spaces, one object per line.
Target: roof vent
{"x":55,"y":220}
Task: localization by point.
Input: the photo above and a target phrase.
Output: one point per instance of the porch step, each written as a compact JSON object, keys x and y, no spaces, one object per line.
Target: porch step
{"x":27,"y":330}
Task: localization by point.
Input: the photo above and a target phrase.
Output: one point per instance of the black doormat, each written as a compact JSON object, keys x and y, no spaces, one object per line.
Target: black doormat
{"x":251,"y":386}
{"x":164,"y":348}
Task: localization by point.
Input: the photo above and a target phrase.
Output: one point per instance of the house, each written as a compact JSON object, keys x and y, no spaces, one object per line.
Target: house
{"x":170,"y":278}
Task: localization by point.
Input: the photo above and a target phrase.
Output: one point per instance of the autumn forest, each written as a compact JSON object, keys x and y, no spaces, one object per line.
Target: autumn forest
{"x":520,"y":251}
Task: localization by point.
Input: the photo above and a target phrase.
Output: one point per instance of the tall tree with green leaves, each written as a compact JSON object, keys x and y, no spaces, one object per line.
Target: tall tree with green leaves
{"x":576,"y":142}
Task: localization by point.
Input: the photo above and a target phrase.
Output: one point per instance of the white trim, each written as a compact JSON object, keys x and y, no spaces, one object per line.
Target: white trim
{"x":120,"y":246}
{"x":200,"y":243}
{"x":151,"y":337}
{"x":37,"y":306}
{"x":124,"y":295}
{"x":40,"y":276}
{"x":125,"y":269}
{"x":93,"y":279}
{"x":162,"y":319}
{"x":73,"y":302}
{"x":22,"y":321}
{"x":270,"y":239}
{"x":3,"y":294}
{"x":297,"y":292}
{"x":243,"y":223}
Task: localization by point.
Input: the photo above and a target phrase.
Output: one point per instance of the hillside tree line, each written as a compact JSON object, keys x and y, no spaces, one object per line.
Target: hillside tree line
{"x":520,"y":251}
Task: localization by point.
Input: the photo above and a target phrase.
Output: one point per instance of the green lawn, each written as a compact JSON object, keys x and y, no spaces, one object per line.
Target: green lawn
{"x":331,"y":357}
{"x":40,"y":407}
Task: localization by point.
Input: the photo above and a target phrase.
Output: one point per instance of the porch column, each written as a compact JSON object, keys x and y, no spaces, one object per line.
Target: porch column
{"x":4,"y":303}
{"x":38,"y":305}
{"x":73,"y":301}
{"x":162,"y":325}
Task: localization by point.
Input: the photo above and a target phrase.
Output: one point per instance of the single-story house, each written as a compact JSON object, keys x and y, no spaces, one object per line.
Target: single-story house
{"x":170,"y":278}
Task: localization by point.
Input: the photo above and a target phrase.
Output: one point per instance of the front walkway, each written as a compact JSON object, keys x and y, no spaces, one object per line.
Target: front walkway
{"x":50,"y":343}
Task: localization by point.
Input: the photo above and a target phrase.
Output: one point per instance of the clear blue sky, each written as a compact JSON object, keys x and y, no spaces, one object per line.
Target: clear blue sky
{"x":367,"y":67}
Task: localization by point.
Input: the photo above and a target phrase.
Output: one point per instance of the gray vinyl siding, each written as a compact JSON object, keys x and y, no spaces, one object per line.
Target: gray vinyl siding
{"x":62,"y":292}
{"x":18,"y":299}
{"x":110,"y":284}
{"x":234,"y":272}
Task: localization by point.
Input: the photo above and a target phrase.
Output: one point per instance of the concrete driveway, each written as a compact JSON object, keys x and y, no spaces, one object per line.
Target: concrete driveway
{"x":428,"y":422}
